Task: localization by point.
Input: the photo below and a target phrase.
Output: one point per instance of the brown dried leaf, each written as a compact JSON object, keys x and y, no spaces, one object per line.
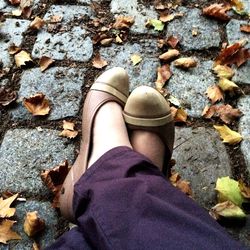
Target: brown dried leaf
{"x":98,"y":62}
{"x":26,"y":12}
{"x":7,"y":96}
{"x":217,"y":11}
{"x":33,"y":223}
{"x":123,"y":22}
{"x":37,"y":104}
{"x":185,"y":62}
{"x":183,"y":185}
{"x":5,"y":210}
{"x":165,"y":17}
{"x":56,"y":19}
{"x":68,"y":125}
{"x":45,"y":62}
{"x":13,"y":49}
{"x":172,"y":41}
{"x":6,"y":233}
{"x":227,"y":85}
{"x":106,"y":41}
{"x":223,"y":71}
{"x":237,"y":4}
{"x":68,"y":133}
{"x":35,"y":246}
{"x":245,"y":28}
{"x":214,"y":93}
{"x":22,"y":58}
{"x":163,"y":74}
{"x":54,"y":179}
{"x":181,"y":115}
{"x":14,"y":2}
{"x":118,"y":39}
{"x":170,"y":54}
{"x":244,"y":189}
{"x":37,"y":23}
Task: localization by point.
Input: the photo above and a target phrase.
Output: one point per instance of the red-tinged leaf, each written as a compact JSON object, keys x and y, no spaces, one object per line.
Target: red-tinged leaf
{"x":172,"y":41}
{"x":14,"y":2}
{"x":217,"y":11}
{"x":163,"y":74}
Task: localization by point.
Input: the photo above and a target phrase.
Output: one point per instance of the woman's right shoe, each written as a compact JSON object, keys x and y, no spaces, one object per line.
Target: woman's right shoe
{"x":146,"y":109}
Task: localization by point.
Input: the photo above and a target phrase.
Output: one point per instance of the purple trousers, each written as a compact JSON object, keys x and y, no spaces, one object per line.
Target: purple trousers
{"x":124,"y":202}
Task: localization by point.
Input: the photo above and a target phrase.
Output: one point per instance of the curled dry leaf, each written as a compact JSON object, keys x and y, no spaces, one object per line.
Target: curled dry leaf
{"x":13,"y":49}
{"x":179,"y":115}
{"x":98,"y":62}
{"x":227,"y":209}
{"x":136,"y":59}
{"x":6,"y":233}
{"x":227,"y":85}
{"x":123,"y":22}
{"x":54,"y":179}
{"x":106,"y":41}
{"x":68,"y":130}
{"x":7,"y":96}
{"x":22,"y":58}
{"x":170,"y":54}
{"x":245,"y":28}
{"x":165,"y":17}
{"x":183,"y":185}
{"x":172,"y":41}
{"x":56,"y":19}
{"x":214,"y":93}
{"x":237,"y":4}
{"x":45,"y":62}
{"x":229,"y":136}
{"x":163,"y":74}
{"x":5,"y":210}
{"x":157,"y":24}
{"x":185,"y":62}
{"x":33,"y":223}
{"x":244,"y":189}
{"x":226,"y":113}
{"x":217,"y":11}
{"x":37,"y":104}
{"x":223,"y":71}
{"x":37,"y":23}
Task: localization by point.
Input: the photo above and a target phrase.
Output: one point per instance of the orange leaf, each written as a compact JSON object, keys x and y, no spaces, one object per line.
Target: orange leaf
{"x":5,"y":210}
{"x":214,"y":93}
{"x":98,"y":62}
{"x":163,"y":74}
{"x":33,"y":223}
{"x":245,"y":28}
{"x":217,"y":11}
{"x":123,"y":22}
{"x":37,"y":104}
{"x":45,"y":62}
{"x":6,"y":233}
{"x":183,"y":185}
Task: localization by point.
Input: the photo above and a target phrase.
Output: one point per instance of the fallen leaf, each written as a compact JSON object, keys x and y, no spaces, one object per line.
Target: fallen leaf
{"x":22,"y":58}
{"x":172,"y":41}
{"x":7,"y":96}
{"x":98,"y":62}
{"x":233,"y":54}
{"x":165,"y":17}
{"x":237,"y":4}
{"x":106,"y":41}
{"x":54,"y":179}
{"x":229,"y":136}
{"x":195,"y":31}
{"x":26,"y":12}
{"x":183,"y":185}
{"x":118,"y":39}
{"x":122,"y":22}
{"x":68,"y":125}
{"x":226,"y":112}
{"x":179,"y":114}
{"x":45,"y":62}
{"x":17,"y":12}
{"x":174,"y":101}
{"x":13,"y":49}
{"x":37,"y":23}
{"x":163,"y":74}
{"x":244,"y":189}
{"x":136,"y":59}
{"x":170,"y":54}
{"x":6,"y":233}
{"x":5,"y":210}
{"x":56,"y":19}
{"x":185,"y":62}
{"x":217,"y":11}
{"x":26,"y":3}
{"x":214,"y":93}
{"x":37,"y":104}
{"x":33,"y":223}
{"x":68,"y":130}
{"x":223,"y":71}
{"x":227,"y":209}
{"x":14,"y":2}
{"x":157,"y":24}
{"x":245,"y":28}
{"x":35,"y":246}
{"x":227,"y":85}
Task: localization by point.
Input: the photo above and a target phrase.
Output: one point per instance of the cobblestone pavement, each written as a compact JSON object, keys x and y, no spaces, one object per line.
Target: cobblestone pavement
{"x":29,"y":145}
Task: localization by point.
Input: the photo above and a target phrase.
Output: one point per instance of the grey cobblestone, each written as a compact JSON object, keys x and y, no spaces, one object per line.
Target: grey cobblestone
{"x":208,"y":30}
{"x":244,"y":128}
{"x":24,"y":153}
{"x":62,"y":86}
{"x":143,"y":73}
{"x":194,"y":148}
{"x":11,"y":32}
{"x":189,"y":86}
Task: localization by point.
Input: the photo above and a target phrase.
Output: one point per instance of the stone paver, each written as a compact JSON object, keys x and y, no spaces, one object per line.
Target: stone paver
{"x":11,"y":32}
{"x":193,"y":149}
{"x":234,"y":34}
{"x":62,"y":86}
{"x":143,"y":73}
{"x":244,"y":128}
{"x":138,"y":11}
{"x":189,"y":86}
{"x":24,"y":153}
{"x":208,"y":30}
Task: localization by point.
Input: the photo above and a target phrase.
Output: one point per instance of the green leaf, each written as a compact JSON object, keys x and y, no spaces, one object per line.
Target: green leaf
{"x":228,"y":190}
{"x":158,"y":25}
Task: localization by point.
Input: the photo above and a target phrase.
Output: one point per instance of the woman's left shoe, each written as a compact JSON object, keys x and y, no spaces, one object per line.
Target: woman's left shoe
{"x":111,"y":86}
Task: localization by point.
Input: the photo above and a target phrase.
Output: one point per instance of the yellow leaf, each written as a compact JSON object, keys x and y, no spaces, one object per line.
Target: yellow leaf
{"x":135,"y":58}
{"x":5,"y":210}
{"x":229,"y":136}
{"x":214,"y":93}
{"x":6,"y":233}
{"x":223,"y":71}
{"x":227,"y":85}
{"x":22,"y":58}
